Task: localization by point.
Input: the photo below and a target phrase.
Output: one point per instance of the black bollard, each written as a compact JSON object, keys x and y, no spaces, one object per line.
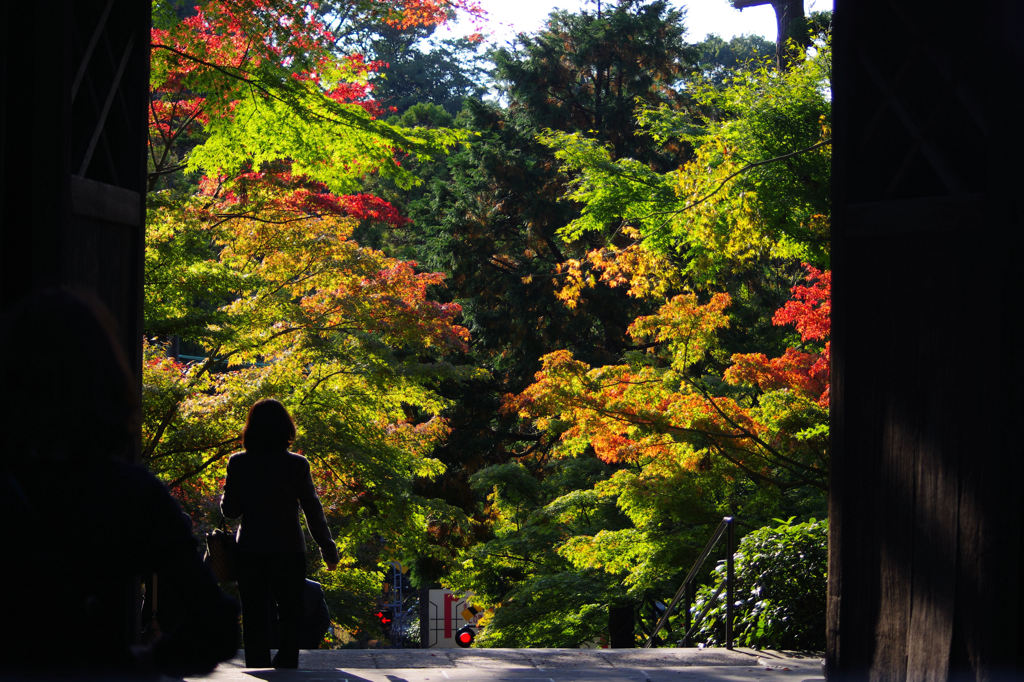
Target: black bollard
{"x":621,"y":626}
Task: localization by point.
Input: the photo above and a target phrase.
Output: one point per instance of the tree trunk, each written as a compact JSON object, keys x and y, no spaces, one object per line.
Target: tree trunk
{"x":792,"y":28}
{"x":789,"y":22}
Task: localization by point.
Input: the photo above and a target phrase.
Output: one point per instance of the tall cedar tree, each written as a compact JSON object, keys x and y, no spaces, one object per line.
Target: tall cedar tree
{"x":488,"y":216}
{"x":708,"y":413}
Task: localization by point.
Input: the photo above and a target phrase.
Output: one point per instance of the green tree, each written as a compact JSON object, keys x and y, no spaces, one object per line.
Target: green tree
{"x":712,"y":408}
{"x":262,"y":137}
{"x":716,"y":60}
{"x":422,"y":69}
{"x":756,"y":189}
{"x":487,"y":215}
{"x":344,"y":335}
{"x":537,"y":596}
{"x":587,"y":71}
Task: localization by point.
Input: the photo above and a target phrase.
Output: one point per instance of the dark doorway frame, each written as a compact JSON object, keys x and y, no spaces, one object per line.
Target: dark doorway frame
{"x":926,"y":546}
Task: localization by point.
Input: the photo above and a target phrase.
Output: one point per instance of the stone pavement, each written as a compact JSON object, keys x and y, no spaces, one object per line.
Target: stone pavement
{"x":529,"y":665}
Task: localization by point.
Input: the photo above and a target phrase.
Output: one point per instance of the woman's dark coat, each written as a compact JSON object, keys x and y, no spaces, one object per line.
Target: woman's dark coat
{"x":267,"y":489}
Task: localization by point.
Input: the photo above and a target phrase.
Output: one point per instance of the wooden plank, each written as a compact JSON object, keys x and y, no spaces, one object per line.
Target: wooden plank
{"x":934,"y":530}
{"x":915,"y":215}
{"x":109,"y":203}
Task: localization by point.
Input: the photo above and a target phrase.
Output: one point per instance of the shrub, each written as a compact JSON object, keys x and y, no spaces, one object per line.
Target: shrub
{"x":780,"y":590}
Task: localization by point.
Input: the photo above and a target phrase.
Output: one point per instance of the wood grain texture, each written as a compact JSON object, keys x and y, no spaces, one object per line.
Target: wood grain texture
{"x":926,"y":558}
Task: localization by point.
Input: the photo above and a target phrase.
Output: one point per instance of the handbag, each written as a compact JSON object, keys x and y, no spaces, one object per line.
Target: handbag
{"x":222,"y":555}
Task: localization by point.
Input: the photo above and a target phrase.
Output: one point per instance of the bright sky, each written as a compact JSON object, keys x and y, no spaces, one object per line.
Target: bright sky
{"x":508,"y":17}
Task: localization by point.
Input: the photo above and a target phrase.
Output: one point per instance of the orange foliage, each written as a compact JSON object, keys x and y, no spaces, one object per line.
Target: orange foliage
{"x":805,"y":372}
{"x":653,"y":412}
{"x":635,"y":414}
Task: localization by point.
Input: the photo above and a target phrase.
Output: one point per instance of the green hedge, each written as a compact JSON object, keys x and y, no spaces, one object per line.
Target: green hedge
{"x":780,"y":590}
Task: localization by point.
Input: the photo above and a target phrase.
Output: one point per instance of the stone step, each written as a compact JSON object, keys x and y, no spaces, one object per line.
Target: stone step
{"x":530,"y":665}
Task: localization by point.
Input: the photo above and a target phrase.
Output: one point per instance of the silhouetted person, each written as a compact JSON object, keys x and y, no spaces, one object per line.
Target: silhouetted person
{"x":83,"y":523}
{"x":266,"y":485}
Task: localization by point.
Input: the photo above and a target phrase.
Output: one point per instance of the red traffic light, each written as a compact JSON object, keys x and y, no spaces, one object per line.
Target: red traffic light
{"x":465,"y":636}
{"x":384,"y":617}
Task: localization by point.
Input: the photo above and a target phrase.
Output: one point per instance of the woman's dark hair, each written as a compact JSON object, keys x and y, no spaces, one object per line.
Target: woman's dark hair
{"x":268,"y":428}
{"x":68,"y":392}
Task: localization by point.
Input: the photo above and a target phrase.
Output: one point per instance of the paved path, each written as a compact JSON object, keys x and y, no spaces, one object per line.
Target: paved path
{"x":529,"y":665}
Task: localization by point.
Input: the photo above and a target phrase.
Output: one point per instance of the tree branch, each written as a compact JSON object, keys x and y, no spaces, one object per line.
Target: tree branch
{"x":202,"y":467}
{"x":746,"y":168}
{"x":165,"y":421}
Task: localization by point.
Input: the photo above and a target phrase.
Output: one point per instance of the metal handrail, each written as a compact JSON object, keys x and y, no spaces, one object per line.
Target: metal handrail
{"x":724,"y":528}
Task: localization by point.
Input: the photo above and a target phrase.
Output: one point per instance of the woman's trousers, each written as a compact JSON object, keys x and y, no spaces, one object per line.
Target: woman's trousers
{"x":267,"y":580}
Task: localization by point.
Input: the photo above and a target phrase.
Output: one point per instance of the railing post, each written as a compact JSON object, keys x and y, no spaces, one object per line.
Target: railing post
{"x":687,"y":618}
{"x":688,"y":588}
{"x":730,"y":578}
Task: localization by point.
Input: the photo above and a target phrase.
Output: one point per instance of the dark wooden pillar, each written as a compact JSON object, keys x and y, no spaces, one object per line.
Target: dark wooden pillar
{"x":926,"y":546}
{"x":74,"y":81}
{"x":74,"y":77}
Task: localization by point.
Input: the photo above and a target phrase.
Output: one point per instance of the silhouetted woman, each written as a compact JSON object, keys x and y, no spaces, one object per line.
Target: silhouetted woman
{"x":265,"y":485}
